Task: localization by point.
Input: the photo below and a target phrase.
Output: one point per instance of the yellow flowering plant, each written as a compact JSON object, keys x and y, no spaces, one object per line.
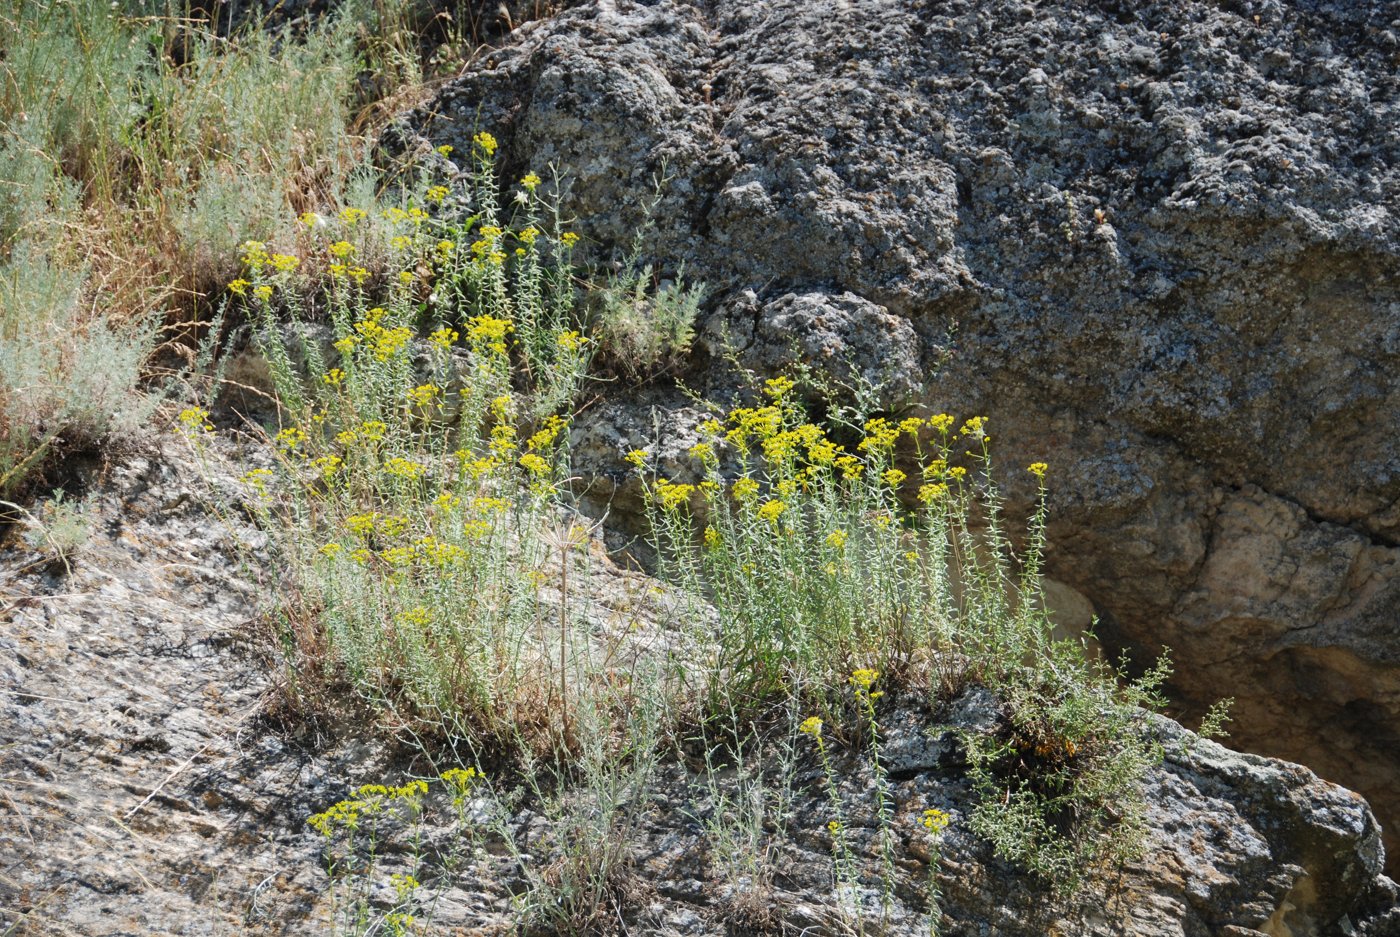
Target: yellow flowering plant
{"x":415,"y":480}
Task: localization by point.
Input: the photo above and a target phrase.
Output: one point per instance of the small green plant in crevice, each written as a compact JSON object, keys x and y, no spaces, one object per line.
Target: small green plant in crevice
{"x":1213,"y":722}
{"x":862,"y":683}
{"x":1060,"y":783}
{"x":644,"y":324}
{"x":750,"y":795}
{"x":843,"y":865}
{"x":580,"y":879}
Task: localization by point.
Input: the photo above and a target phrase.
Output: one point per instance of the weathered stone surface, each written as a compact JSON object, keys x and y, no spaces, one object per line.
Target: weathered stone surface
{"x":148,"y":793}
{"x":1157,"y":243}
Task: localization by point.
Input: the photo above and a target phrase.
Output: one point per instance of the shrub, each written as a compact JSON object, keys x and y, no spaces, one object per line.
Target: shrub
{"x":66,"y":380}
{"x":891,"y":559}
{"x":418,"y":476}
{"x":127,"y":177}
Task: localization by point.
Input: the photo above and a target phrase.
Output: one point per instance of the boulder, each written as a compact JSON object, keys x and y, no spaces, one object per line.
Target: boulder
{"x":1157,"y":244}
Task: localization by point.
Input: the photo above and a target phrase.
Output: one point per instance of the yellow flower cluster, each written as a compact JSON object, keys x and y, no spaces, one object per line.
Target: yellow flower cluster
{"x":418,"y":615}
{"x":462,"y":780}
{"x":778,"y":387}
{"x":257,"y":479}
{"x":812,"y":726}
{"x":405,"y":469}
{"x":383,"y":343}
{"x":772,"y":510}
{"x":361,"y":525}
{"x":760,"y":423}
{"x":424,"y":395}
{"x":485,"y":142}
{"x":369,"y":430}
{"x":864,"y":678}
{"x":503,"y":440}
{"x":474,"y":466}
{"x":254,"y":254}
{"x":399,"y":215}
{"x":880,"y":436}
{"x":489,"y":331}
{"x":194,"y":420}
{"x":545,"y":436}
{"x":327,"y":465}
{"x":670,"y":495}
{"x":369,"y":800}
{"x":534,"y":464}
{"x":491,"y":505}
{"x":932,"y":492}
{"x":934,"y":820}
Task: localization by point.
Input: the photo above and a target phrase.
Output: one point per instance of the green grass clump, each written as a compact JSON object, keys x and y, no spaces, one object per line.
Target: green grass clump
{"x":136,"y":151}
{"x":65,"y":378}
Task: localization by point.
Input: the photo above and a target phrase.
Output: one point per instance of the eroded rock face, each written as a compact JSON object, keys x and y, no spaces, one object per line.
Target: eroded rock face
{"x":148,"y":793}
{"x":1156,"y":243}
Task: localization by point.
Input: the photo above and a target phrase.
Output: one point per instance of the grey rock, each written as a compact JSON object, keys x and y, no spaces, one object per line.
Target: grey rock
{"x":148,"y":792}
{"x":1156,"y":243}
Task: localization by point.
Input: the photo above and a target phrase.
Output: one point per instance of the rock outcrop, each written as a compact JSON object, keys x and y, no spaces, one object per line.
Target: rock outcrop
{"x":147,"y":791}
{"x":1158,"y":244}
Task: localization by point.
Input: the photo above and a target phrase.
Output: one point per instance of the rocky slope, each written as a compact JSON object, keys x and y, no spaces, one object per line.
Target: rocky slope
{"x":1157,"y":243}
{"x":147,"y":791}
